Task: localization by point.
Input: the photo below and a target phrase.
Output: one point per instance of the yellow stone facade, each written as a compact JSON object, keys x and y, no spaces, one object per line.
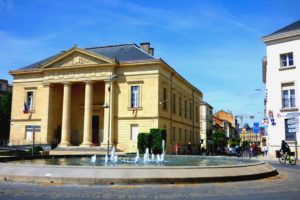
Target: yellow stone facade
{"x":70,"y":96}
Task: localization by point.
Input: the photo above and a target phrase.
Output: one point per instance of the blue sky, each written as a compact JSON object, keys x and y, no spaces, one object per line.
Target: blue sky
{"x":214,"y":44}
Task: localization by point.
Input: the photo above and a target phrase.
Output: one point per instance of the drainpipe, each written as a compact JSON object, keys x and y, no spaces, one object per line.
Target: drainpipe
{"x":193,"y":116}
{"x":171,"y":109}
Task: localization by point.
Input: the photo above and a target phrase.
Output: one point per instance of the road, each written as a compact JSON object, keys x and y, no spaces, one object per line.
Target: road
{"x":284,"y":186}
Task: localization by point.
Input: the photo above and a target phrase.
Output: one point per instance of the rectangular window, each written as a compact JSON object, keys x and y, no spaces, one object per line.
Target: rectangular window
{"x":135,"y":94}
{"x":286,"y":59}
{"x":288,"y":96}
{"x":174,"y":135}
{"x":174,"y":103}
{"x":134,"y":132}
{"x":185,"y":108}
{"x":190,"y":136}
{"x":165,"y":99}
{"x":185,"y":135}
{"x":179,"y":134}
{"x":197,"y":113}
{"x":290,"y":131}
{"x":180,"y":107}
{"x":29,"y":100}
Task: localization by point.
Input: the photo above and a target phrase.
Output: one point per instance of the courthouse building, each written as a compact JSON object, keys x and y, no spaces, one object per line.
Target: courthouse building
{"x":68,"y":96}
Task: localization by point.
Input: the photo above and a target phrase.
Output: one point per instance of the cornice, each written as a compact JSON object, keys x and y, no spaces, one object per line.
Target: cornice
{"x":284,"y":35}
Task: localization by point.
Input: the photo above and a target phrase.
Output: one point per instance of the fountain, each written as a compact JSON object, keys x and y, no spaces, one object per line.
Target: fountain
{"x":137,"y":157}
{"x":113,"y":153}
{"x":146,"y":156}
{"x":127,"y":169}
{"x":93,"y":159}
{"x":158,"y":158}
{"x":106,"y":159}
{"x":152,"y":157}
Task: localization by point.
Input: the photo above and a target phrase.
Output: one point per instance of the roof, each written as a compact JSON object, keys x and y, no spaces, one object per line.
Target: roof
{"x":288,"y":31}
{"x":122,"y":53}
{"x":292,"y":27}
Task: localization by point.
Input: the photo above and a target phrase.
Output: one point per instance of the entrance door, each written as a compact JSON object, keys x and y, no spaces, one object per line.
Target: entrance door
{"x":95,"y":130}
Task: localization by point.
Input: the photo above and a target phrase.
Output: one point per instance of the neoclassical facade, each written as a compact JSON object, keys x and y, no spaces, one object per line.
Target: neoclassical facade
{"x":85,"y":97}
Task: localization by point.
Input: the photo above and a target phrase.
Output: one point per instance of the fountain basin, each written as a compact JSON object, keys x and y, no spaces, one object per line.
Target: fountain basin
{"x":134,"y":174}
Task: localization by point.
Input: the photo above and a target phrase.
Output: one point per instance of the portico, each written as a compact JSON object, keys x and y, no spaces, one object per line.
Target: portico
{"x":80,"y":105}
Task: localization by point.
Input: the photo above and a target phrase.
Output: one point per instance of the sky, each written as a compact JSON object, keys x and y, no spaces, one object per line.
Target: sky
{"x":215,"y":44}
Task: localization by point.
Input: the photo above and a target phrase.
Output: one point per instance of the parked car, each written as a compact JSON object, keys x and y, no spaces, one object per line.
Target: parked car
{"x":234,"y":151}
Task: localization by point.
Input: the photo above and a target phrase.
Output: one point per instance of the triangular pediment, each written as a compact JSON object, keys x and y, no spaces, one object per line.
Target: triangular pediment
{"x":77,"y":57}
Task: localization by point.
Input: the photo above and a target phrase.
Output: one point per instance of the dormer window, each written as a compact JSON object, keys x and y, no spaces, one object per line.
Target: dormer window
{"x":286,"y":60}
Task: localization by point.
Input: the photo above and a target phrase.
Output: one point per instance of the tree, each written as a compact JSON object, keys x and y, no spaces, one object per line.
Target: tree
{"x":235,"y":141}
{"x":5,"y":113}
{"x":219,"y":139}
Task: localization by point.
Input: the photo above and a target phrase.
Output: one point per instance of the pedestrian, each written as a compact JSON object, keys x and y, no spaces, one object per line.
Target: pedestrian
{"x":189,"y":147}
{"x":266,"y":150}
{"x":176,"y":149}
{"x":263,"y":150}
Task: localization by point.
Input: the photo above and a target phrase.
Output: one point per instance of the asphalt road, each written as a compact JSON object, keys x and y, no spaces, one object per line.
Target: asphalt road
{"x":284,"y":186}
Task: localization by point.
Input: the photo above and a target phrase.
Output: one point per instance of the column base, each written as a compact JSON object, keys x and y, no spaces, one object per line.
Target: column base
{"x":64,"y":144}
{"x":86,"y":144}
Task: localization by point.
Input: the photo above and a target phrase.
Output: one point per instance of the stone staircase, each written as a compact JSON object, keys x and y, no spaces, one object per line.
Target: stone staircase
{"x":77,"y":150}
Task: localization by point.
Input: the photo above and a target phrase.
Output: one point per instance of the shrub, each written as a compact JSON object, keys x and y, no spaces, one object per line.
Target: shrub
{"x":158,"y":135}
{"x":143,"y":142}
{"x":36,"y":150}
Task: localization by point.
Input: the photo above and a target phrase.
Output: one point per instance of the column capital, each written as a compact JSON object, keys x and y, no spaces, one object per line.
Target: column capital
{"x":47,"y":84}
{"x":88,"y":81}
{"x":66,"y":83}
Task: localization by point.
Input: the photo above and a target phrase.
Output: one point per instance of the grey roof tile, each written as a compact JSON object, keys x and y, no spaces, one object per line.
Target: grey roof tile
{"x":123,"y":53}
{"x":127,"y":52}
{"x":292,"y":27}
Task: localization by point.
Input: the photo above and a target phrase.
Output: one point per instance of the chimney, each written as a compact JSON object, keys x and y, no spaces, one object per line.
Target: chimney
{"x":151,"y":51}
{"x":145,"y":46}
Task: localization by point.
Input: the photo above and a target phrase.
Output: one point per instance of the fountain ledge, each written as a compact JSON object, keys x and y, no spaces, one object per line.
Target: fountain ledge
{"x":93,"y":175}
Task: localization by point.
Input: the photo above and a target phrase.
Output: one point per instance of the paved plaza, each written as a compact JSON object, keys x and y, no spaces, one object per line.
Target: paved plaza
{"x":284,"y":186}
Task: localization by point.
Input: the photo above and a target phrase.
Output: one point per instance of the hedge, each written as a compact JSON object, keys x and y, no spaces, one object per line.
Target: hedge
{"x":144,"y":141}
{"x":152,"y":140}
{"x":158,"y":136}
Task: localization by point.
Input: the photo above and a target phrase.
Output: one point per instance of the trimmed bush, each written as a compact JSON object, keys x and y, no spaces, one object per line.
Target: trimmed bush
{"x":143,"y":142}
{"x":158,"y":135}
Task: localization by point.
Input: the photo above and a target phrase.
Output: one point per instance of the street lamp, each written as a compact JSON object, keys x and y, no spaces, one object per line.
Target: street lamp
{"x":111,"y":79}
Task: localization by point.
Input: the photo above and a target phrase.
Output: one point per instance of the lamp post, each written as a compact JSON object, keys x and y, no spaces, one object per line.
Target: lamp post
{"x":111,"y":79}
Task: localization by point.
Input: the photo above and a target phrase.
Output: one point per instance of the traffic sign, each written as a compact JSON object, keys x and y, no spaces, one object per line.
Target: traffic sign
{"x":32,"y":128}
{"x":292,"y":115}
{"x":293,"y":121}
{"x":255,"y":127}
{"x":292,"y":130}
{"x":293,"y":126}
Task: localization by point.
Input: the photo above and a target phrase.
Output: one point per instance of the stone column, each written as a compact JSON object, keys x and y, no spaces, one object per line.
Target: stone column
{"x":106,"y":115}
{"x":65,"y":130}
{"x":46,"y":129}
{"x":88,"y":111}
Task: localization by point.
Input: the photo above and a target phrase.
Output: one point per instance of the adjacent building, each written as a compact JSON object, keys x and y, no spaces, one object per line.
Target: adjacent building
{"x":94,"y":96}
{"x":206,"y":123}
{"x":4,"y":87}
{"x":281,"y":69}
{"x":247,"y":134}
{"x":228,"y":122}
